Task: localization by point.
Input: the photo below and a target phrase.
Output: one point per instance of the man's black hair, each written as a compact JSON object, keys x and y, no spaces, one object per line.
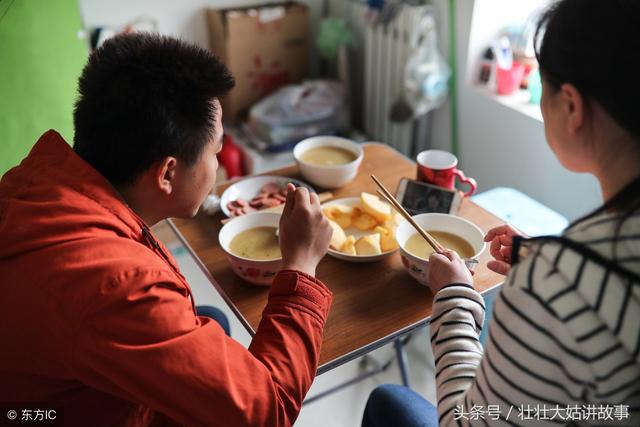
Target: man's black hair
{"x":143,"y":97}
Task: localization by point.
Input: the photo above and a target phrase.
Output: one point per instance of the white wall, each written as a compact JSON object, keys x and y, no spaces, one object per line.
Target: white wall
{"x":497,"y":145}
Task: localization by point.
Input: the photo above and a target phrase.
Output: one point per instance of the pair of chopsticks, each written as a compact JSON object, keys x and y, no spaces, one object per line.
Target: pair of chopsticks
{"x":386,"y":195}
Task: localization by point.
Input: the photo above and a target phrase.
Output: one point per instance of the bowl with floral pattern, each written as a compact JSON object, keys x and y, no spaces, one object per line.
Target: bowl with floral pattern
{"x":418,"y":267}
{"x":256,"y":271}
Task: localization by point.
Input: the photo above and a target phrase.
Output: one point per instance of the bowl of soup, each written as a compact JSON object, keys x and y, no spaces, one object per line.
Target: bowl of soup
{"x":328,"y":161}
{"x":451,"y":231}
{"x":252,"y":246}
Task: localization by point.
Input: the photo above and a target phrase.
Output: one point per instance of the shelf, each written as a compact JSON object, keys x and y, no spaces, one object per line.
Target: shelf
{"x":519,"y":101}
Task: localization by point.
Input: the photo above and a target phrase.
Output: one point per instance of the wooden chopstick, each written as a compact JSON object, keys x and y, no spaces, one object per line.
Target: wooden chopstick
{"x":466,"y":260}
{"x":398,"y":207}
{"x":433,"y":242}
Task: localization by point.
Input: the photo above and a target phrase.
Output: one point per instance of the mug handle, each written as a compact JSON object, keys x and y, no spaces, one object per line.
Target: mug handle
{"x":469,"y":181}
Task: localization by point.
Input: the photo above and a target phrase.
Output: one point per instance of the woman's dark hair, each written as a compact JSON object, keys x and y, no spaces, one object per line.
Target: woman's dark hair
{"x":595,"y":46}
{"x":143,"y":97}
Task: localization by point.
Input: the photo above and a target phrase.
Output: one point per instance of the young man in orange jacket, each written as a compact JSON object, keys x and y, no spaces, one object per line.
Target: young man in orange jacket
{"x":95,"y":314}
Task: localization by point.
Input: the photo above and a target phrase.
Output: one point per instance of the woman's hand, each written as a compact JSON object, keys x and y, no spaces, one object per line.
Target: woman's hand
{"x":304,"y":232}
{"x":501,"y":239}
{"x":447,"y":268}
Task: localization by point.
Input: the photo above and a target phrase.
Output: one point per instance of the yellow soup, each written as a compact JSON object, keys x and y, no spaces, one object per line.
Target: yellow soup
{"x":416,"y":245}
{"x":328,"y":156}
{"x":260,"y":243}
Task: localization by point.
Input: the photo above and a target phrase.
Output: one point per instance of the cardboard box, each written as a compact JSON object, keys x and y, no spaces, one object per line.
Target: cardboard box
{"x":265,"y":47}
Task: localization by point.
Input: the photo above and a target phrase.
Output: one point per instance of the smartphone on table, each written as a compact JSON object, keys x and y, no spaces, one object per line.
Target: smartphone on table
{"x":420,"y":197}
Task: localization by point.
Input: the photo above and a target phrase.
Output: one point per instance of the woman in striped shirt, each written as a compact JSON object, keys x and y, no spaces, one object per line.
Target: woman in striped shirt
{"x":564,"y":341}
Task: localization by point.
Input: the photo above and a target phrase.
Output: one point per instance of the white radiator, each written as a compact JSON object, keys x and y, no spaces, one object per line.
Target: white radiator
{"x":387,"y":49}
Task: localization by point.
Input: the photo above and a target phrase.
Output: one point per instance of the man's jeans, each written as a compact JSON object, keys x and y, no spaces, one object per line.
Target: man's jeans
{"x":215,"y":314}
{"x":395,"y":405}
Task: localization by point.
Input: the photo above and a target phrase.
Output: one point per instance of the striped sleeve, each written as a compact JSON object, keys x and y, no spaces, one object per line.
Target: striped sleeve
{"x":458,"y":314}
{"x":530,"y":358}
{"x":564,"y":333}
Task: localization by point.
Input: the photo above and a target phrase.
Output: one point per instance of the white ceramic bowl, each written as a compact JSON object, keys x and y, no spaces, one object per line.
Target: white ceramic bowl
{"x":417,"y":267}
{"x":258,"y":272}
{"x":328,"y":176}
{"x":248,"y":188}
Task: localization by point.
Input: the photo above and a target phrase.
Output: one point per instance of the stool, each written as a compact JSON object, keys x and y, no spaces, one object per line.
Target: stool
{"x":527,"y":215}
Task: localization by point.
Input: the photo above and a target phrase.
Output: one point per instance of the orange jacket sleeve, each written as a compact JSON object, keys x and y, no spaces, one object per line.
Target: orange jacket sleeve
{"x":145,"y":345}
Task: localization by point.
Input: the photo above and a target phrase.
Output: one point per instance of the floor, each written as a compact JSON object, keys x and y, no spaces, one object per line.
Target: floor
{"x":343,"y":408}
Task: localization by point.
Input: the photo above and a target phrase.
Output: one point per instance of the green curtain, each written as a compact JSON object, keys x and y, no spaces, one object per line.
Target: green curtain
{"x":41,"y":58}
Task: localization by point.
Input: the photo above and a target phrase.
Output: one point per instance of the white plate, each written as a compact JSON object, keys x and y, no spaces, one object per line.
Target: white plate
{"x":249,"y":188}
{"x":357,"y":233}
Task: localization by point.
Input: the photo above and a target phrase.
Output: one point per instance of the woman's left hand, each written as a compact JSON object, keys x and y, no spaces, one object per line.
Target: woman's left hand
{"x":447,"y":268}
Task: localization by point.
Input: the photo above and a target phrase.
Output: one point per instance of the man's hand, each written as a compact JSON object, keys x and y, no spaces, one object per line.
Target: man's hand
{"x":304,"y":232}
{"x":447,"y":268}
{"x":501,"y":239}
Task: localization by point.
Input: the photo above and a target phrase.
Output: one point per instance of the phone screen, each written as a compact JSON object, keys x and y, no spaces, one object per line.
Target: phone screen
{"x":420,"y":198}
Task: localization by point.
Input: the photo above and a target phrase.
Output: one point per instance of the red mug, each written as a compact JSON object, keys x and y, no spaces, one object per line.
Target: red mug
{"x":438,"y":167}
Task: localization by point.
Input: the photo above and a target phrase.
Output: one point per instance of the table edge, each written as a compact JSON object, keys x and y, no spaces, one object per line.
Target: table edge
{"x":354,"y":354}
{"x":388,"y":338}
{"x":339,"y":361}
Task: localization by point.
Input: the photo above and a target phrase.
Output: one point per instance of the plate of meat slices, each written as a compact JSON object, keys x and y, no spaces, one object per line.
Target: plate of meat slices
{"x":257,"y":193}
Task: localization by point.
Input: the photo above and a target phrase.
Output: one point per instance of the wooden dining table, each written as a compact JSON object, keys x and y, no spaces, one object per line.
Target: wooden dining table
{"x":374,"y":303}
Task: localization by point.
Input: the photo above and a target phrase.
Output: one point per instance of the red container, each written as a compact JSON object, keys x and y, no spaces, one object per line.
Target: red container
{"x":231,"y":158}
{"x":508,"y":81}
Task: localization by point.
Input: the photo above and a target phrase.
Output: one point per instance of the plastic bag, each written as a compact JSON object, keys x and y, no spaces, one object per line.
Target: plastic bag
{"x":427,"y":72}
{"x":296,"y":112}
